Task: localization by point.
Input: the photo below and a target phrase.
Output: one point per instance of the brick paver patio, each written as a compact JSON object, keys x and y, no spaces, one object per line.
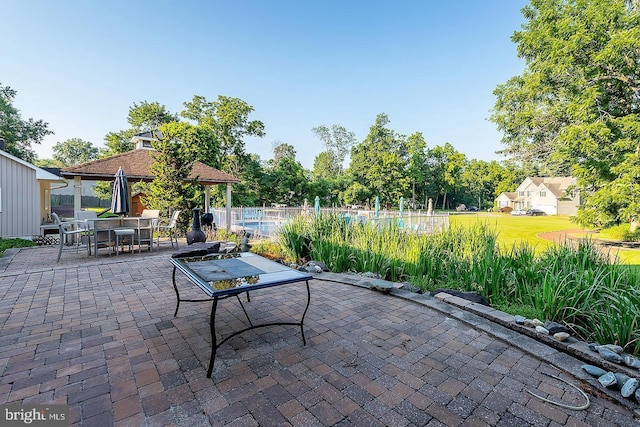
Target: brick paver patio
{"x":99,"y":335}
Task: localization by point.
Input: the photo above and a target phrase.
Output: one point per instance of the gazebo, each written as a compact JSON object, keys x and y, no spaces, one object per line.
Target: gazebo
{"x":137,"y":165}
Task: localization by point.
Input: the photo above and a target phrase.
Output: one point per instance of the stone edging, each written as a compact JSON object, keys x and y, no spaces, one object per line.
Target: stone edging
{"x":567,"y":356}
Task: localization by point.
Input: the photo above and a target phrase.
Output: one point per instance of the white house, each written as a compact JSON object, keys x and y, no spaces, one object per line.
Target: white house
{"x":553,"y":195}
{"x":24,"y":196}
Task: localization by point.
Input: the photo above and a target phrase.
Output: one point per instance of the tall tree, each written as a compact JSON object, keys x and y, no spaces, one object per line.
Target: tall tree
{"x":282,"y":150}
{"x":176,"y":153}
{"x":19,"y":134}
{"x":74,"y":151}
{"x":576,"y":107}
{"x":227,"y":120}
{"x":148,"y":116}
{"x":416,"y":169}
{"x":287,"y":181}
{"x":378,"y":164}
{"x":445,"y":166}
{"x":337,"y":141}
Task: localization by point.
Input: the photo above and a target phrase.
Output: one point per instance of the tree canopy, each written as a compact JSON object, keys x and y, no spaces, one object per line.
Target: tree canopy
{"x":19,"y":134}
{"x":74,"y":151}
{"x":575,"y":108}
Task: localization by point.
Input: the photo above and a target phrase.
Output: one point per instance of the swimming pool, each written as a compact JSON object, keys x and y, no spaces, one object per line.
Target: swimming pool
{"x":261,"y":228}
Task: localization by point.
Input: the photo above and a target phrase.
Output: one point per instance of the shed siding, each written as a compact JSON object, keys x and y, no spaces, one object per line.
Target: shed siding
{"x":20,"y":214}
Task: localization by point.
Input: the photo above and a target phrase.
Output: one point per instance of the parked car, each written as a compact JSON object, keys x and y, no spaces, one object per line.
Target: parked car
{"x":536,"y":212}
{"x":473,"y":209}
{"x":518,"y":212}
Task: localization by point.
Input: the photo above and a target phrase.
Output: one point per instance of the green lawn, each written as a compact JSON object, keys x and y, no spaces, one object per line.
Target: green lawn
{"x":517,"y":229}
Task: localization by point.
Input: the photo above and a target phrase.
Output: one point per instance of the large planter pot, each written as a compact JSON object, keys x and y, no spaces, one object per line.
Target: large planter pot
{"x":196,"y":234}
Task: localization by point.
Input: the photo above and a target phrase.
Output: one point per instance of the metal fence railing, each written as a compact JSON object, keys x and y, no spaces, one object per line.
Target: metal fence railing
{"x":265,"y":222}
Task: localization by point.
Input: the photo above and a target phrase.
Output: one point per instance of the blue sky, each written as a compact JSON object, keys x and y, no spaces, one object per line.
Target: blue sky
{"x":430,"y":65}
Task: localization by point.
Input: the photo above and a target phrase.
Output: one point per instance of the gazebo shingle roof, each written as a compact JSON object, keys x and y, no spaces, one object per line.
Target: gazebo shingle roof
{"x":137,"y":165}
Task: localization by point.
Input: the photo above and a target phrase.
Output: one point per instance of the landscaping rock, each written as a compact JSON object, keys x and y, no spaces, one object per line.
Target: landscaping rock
{"x":529,"y":323}
{"x":370,"y":275}
{"x":542,"y":330}
{"x":469,"y":296}
{"x":615,"y":348}
{"x":637,"y":395}
{"x":519,"y":319}
{"x":621,"y":379}
{"x":609,"y":355}
{"x":311,"y":268}
{"x":630,"y":387}
{"x":407,"y":286}
{"x":537,"y":322}
{"x":381,"y":285}
{"x":631,"y":361}
{"x":319,"y":264}
{"x":594,"y":370}
{"x":608,"y":379}
{"x":561,"y":336}
{"x":554,"y":328}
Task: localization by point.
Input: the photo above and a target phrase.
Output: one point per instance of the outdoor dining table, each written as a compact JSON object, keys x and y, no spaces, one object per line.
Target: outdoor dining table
{"x":225,"y":275}
{"x":104,"y":230}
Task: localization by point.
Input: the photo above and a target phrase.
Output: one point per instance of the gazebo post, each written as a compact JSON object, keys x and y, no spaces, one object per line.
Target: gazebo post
{"x":228,"y":206}
{"x":207,"y":201}
{"x":77,"y":193}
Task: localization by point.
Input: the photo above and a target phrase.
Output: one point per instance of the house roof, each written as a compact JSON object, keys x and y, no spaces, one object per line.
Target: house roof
{"x":137,"y":165}
{"x":41,"y":174}
{"x":509,"y":195}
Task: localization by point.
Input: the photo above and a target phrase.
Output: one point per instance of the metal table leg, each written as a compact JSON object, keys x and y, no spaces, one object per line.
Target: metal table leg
{"x":214,"y":341}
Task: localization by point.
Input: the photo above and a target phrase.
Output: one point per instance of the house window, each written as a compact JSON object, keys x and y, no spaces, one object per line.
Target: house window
{"x":529,"y":193}
{"x":521,"y":193}
{"x":543,"y":193}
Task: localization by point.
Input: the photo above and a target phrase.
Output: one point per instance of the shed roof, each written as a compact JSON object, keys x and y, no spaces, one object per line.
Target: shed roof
{"x":41,"y":174}
{"x":137,"y":165}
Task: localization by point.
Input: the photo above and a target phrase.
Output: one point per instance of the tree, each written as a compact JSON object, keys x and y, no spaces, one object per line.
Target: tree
{"x":227,"y":120}
{"x":378,"y":164}
{"x":576,"y":107}
{"x":445,"y":166}
{"x":282,"y":150}
{"x":148,"y":116}
{"x":74,"y":151}
{"x":416,"y":148}
{"x":173,"y":161}
{"x":19,"y":134}
{"x":287,"y":182}
{"x":324,"y":166}
{"x":143,"y":117}
{"x":337,"y":141}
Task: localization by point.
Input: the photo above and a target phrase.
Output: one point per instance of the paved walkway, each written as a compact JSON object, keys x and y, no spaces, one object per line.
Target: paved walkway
{"x":100,"y":336}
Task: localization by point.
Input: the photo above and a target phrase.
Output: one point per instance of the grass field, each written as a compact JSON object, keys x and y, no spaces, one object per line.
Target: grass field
{"x":518,"y":229}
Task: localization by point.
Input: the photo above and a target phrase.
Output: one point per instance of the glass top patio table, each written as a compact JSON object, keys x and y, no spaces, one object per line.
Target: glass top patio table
{"x":225,"y":275}
{"x":235,"y":273}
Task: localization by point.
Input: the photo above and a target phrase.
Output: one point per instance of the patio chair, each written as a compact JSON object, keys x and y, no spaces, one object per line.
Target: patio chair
{"x":169,"y":226}
{"x":151,"y":213}
{"x":75,"y":229}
